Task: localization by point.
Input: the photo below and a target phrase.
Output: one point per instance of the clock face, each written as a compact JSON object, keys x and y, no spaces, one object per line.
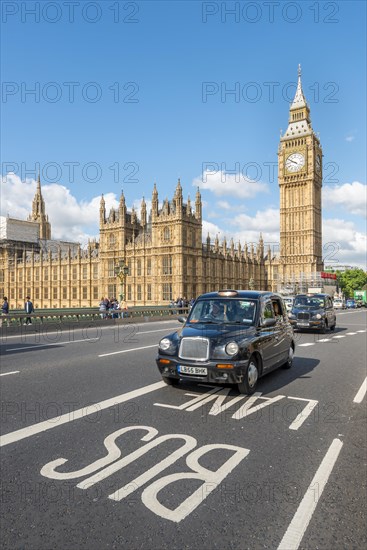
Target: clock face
{"x":295,"y":162}
{"x":318,"y":163}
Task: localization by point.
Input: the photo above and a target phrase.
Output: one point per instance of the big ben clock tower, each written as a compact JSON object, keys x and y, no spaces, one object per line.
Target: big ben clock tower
{"x":300,"y":182}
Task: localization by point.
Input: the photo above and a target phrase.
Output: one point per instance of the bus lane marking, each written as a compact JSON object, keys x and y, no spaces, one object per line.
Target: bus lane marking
{"x":220,"y":394}
{"x":51,"y":423}
{"x":297,"y":528}
{"x":361,"y":392}
{"x":112,"y":463}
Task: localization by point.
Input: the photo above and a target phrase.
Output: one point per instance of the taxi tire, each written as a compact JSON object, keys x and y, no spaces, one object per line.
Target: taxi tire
{"x":324,"y":328}
{"x":244,"y":386}
{"x":289,"y":362}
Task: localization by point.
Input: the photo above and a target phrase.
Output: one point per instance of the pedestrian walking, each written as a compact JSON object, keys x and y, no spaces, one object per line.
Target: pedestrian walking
{"x":28,"y":306}
{"x":4,"y":312}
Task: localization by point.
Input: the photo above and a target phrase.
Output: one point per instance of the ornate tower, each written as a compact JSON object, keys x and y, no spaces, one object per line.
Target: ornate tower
{"x":39,"y":213}
{"x":300,"y":182}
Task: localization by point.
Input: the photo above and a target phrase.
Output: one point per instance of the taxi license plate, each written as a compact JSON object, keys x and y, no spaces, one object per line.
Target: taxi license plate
{"x":192,"y":370}
{"x":304,"y":324}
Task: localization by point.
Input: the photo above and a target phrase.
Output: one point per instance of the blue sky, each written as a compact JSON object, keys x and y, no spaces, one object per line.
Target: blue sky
{"x":144,"y":88}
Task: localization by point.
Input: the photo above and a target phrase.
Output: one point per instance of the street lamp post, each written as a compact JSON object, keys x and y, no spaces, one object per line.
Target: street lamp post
{"x":121,"y":271}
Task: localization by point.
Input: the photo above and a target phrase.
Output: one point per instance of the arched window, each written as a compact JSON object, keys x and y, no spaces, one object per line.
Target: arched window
{"x":166,"y":234}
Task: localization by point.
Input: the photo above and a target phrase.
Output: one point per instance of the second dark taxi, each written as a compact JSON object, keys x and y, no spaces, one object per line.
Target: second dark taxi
{"x":230,"y":336}
{"x":313,"y":312}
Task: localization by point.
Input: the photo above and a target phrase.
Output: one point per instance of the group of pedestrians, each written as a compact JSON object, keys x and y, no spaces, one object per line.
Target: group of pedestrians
{"x":182,"y":304}
{"x":28,"y":308}
{"x":110,"y":308}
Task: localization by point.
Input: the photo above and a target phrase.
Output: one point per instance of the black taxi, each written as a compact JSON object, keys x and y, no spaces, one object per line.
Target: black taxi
{"x":313,"y":312}
{"x":229,"y":336}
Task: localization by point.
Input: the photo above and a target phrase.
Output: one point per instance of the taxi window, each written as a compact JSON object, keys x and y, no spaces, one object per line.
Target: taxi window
{"x":268,"y":312}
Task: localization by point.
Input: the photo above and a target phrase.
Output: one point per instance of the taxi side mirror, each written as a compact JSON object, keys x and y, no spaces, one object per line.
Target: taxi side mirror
{"x":182,"y":319}
{"x":268,"y":322}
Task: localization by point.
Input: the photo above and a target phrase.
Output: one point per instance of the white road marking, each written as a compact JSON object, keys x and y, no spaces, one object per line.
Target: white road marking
{"x":301,"y":417}
{"x":12,"y":372}
{"x":350,"y":312}
{"x":52,"y":344}
{"x":307,"y":344}
{"x":75,"y":415}
{"x":361,"y":330}
{"x":351,"y":333}
{"x":60,"y":343}
{"x":339,"y":336}
{"x":127,"y":350}
{"x":294,"y":534}
{"x":361,"y":392}
{"x":324,"y":340}
{"x":76,"y":328}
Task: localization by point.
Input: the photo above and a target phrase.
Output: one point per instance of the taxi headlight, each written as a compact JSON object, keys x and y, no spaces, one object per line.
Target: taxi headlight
{"x":165,"y":344}
{"x":232,"y":348}
{"x":291,"y":316}
{"x":317,"y":316}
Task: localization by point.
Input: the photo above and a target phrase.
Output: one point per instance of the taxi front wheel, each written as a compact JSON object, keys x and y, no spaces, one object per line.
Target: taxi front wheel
{"x":249,"y":382}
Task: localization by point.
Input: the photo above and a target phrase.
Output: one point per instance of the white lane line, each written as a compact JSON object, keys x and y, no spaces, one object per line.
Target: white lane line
{"x":76,"y":329}
{"x":350,"y":333}
{"x":307,"y":344}
{"x":294,"y":534}
{"x":127,"y":350}
{"x":324,"y":340}
{"x":77,"y":341}
{"x":12,"y":372}
{"x":52,"y":344}
{"x":361,"y":330}
{"x":80,"y":413}
{"x":339,"y":336}
{"x":361,"y":392}
{"x":303,"y":415}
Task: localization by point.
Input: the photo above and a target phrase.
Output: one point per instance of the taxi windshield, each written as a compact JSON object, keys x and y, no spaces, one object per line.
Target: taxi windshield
{"x":309,"y":302}
{"x":221,"y":310}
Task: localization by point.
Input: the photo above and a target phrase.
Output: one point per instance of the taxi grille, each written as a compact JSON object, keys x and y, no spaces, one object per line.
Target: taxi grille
{"x":303,"y":316}
{"x":194,"y":348}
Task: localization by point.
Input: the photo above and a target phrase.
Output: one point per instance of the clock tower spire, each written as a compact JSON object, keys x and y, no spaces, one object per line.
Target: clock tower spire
{"x":300,"y":182}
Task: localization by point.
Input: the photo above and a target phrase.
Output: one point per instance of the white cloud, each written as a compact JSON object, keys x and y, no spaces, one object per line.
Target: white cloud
{"x":212,"y":229}
{"x":350,"y":138}
{"x":70,"y":220}
{"x":245,"y":228}
{"x":264,"y":220}
{"x":224,"y":205}
{"x":232,"y":185}
{"x":349,"y":196}
{"x":343,"y":243}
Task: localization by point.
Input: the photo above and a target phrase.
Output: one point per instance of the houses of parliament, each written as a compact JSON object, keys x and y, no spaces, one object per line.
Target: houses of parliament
{"x":164,"y":248}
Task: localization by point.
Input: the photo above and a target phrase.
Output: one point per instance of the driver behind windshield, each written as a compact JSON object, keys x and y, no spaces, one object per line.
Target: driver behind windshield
{"x":216,"y":312}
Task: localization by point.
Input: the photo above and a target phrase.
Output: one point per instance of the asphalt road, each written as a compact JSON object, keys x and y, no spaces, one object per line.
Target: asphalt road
{"x":97,"y":452}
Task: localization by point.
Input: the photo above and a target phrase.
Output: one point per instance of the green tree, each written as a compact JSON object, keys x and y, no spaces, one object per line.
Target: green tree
{"x":350,"y":280}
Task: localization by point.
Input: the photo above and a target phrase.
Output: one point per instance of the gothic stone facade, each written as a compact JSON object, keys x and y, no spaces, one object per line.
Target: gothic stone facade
{"x":163,"y":248}
{"x":164,"y":253}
